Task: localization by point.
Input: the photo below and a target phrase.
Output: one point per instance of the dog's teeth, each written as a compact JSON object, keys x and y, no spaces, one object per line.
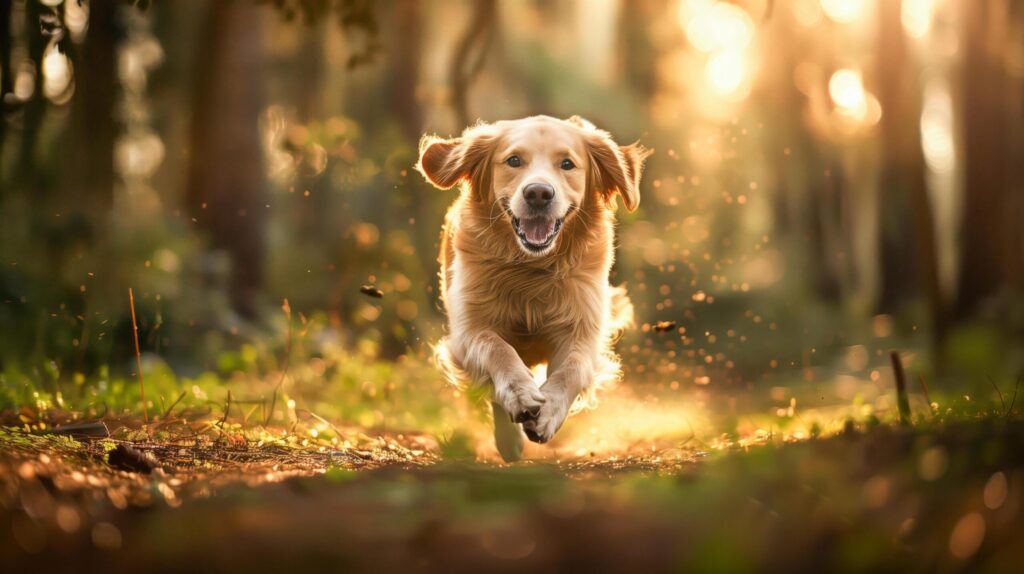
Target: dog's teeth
{"x":536,"y":233}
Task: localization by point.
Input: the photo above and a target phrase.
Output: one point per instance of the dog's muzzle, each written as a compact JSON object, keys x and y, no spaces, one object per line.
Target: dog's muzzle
{"x":537,"y":232}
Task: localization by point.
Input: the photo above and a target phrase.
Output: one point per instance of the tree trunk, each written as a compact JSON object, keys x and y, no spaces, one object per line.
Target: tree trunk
{"x":225,"y":192}
{"x":91,"y":149}
{"x":908,"y":228}
{"x":86,"y":184}
{"x":35,"y":107}
{"x":6,"y":75}
{"x":637,"y":66}
{"x":991,"y":229}
{"x":470,"y":54}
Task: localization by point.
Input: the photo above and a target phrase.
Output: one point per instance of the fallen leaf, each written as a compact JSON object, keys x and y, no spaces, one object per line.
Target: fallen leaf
{"x":664,"y":326}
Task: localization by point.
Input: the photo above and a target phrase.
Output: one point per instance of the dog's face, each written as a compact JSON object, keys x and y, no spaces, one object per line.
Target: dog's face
{"x":535,"y":172}
{"x":539,"y":177}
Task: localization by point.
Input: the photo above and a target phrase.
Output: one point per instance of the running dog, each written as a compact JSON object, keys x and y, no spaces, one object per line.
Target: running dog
{"x":525,"y":257}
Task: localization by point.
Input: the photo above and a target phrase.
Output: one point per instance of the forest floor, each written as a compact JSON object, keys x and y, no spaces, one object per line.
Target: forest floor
{"x":197,"y":496}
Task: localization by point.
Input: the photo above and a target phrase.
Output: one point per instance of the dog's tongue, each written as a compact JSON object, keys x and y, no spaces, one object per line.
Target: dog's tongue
{"x":537,"y":229}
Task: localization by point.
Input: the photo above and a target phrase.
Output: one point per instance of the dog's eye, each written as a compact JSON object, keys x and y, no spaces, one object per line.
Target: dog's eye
{"x":567,"y":164}
{"x":514,"y":161}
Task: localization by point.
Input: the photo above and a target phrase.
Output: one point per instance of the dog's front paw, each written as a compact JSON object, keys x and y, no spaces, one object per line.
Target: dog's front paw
{"x":522,"y":400}
{"x":552,"y":414}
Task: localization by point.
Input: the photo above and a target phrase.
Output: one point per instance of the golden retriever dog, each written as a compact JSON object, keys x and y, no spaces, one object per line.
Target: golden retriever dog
{"x":525,"y":255}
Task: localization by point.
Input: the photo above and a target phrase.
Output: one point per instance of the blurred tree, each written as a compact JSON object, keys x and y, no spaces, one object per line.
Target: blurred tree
{"x":992,"y":240}
{"x":806,"y":203}
{"x":90,"y":141}
{"x":85,"y":190}
{"x":69,"y":200}
{"x":637,"y":53}
{"x":309,"y":81}
{"x":315,"y":212}
{"x":33,"y":109}
{"x":824,"y":235}
{"x":404,"y":66}
{"x":354,"y":16}
{"x":6,"y":74}
{"x":225,"y":187}
{"x":470,"y":56}
{"x":404,"y":69}
{"x":909,"y":260}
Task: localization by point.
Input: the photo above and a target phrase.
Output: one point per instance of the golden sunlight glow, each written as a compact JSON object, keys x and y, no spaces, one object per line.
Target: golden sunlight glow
{"x":807,"y":12}
{"x":625,"y":421}
{"x":847,"y":90}
{"x":725,"y":71}
{"x":25,"y":80}
{"x":713,"y":26}
{"x":967,"y":536}
{"x":138,"y":154}
{"x":843,"y":11}
{"x":76,"y":18}
{"x":807,"y":77}
{"x":137,"y":59}
{"x":916,"y":16}
{"x":57,"y":75}
{"x":723,"y":31}
{"x":937,"y":129}
{"x":855,"y":107}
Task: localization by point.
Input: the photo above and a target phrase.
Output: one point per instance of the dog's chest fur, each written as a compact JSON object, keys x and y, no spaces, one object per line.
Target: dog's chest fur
{"x":529,"y":303}
{"x":517,"y":301}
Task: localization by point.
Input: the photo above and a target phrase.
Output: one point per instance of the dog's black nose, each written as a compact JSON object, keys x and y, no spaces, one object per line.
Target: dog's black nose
{"x":538,"y":195}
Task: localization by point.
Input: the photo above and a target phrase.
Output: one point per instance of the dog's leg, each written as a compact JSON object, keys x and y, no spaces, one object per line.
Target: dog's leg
{"x":508,"y":436}
{"x":486,"y":353}
{"x":571,"y":374}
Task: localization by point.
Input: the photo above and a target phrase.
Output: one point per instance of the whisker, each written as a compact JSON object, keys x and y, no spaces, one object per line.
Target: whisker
{"x":495,"y":217}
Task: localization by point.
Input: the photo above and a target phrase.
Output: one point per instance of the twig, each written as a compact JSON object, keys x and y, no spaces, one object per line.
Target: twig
{"x":89,"y":430}
{"x":167,"y":413}
{"x":245,"y":419}
{"x":924,"y":389}
{"x":901,"y":387}
{"x":227,"y":409}
{"x":284,"y":371}
{"x":1013,"y":401}
{"x":322,"y":420}
{"x":138,"y":357}
{"x":1002,"y":402}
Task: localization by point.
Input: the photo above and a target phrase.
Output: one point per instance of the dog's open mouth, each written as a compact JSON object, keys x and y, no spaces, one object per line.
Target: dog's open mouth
{"x":537,"y":233}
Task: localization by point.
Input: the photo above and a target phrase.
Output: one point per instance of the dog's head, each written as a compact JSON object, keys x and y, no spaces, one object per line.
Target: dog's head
{"x":536,"y":172}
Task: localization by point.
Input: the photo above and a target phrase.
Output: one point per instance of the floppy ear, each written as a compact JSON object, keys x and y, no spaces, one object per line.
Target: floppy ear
{"x":446,"y":162}
{"x":441,"y":161}
{"x":617,"y":168}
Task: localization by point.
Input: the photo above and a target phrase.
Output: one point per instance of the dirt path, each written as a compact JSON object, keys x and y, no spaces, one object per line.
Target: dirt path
{"x":948,"y":498}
